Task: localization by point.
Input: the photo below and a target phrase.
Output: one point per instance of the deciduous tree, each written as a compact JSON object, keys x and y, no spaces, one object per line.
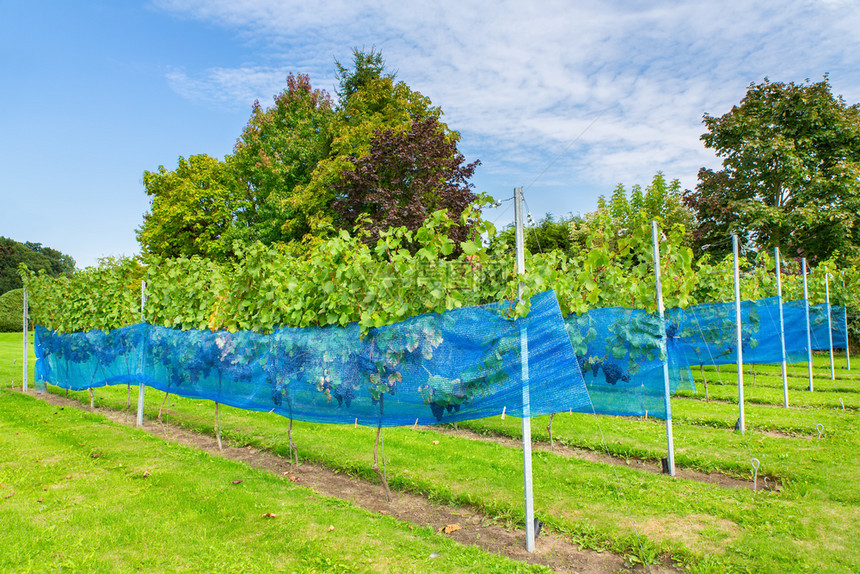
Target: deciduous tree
{"x":404,"y":177}
{"x":36,"y":256}
{"x":791,"y":171}
{"x":277,"y":154}
{"x":193,"y":209}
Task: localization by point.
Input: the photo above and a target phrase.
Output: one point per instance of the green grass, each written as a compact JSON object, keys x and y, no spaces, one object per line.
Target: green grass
{"x":809,"y":526}
{"x":75,"y":497}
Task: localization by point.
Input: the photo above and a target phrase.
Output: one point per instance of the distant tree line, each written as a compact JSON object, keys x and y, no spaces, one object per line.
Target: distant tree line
{"x":36,"y":256}
{"x":378,"y":155}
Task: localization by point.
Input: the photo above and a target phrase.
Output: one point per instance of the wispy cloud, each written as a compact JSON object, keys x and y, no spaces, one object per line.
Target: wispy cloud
{"x":228,"y":87}
{"x":521,"y":80}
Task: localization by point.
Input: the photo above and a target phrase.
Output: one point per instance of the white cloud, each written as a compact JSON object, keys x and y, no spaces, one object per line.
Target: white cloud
{"x":521,"y":80}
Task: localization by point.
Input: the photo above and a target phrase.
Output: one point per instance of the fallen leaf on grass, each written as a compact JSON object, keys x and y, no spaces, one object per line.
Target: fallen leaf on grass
{"x":294,"y":478}
{"x":146,"y":473}
{"x":330,"y":528}
{"x":236,"y":481}
{"x":451,"y":528}
{"x":269,"y":515}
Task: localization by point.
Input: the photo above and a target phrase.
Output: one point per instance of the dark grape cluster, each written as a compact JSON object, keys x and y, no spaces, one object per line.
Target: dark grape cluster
{"x":583,"y":362}
{"x":671,"y":330}
{"x":344,"y":393}
{"x":439,"y":410}
{"x":612,"y":371}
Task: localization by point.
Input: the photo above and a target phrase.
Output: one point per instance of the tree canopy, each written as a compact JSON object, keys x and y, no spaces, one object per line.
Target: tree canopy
{"x":35,"y":256}
{"x":279,"y":152}
{"x":551,"y":233}
{"x":195,"y":209}
{"x":307,"y":166}
{"x":405,"y":176}
{"x":790,"y":176}
{"x":626,"y":211}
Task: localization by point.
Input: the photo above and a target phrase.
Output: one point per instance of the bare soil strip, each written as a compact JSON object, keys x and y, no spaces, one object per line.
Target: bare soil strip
{"x":476,"y":529}
{"x":723,"y":480}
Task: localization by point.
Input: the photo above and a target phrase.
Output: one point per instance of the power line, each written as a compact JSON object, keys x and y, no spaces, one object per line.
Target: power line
{"x":564,"y":151}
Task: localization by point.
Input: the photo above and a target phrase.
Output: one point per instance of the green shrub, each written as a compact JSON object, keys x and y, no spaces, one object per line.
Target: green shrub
{"x":11,"y":318}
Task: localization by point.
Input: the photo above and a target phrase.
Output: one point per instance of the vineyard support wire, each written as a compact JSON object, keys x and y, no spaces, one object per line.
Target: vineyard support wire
{"x":564,"y":151}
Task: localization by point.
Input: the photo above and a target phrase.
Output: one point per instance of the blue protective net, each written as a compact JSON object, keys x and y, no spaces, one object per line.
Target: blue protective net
{"x":706,"y":334}
{"x":621,"y":354}
{"x":459,"y":365}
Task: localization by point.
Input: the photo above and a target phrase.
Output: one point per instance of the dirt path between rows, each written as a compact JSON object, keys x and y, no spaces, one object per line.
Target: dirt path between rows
{"x":476,"y":529}
{"x":763,"y":483}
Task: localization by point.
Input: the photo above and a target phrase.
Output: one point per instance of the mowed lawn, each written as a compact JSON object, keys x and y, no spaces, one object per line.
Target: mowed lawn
{"x":79,"y":493}
{"x":809,"y":525}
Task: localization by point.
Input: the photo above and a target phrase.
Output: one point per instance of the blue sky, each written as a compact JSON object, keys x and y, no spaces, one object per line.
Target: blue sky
{"x":567,"y":99}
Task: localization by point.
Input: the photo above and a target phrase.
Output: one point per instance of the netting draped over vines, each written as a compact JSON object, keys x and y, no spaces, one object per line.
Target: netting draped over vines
{"x":332,"y":309}
{"x":620,"y":351}
{"x":458,"y":365}
{"x":706,"y":334}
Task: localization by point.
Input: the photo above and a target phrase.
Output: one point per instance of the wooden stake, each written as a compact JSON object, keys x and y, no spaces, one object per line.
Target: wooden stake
{"x":376,"y":465}
{"x":549,"y":430}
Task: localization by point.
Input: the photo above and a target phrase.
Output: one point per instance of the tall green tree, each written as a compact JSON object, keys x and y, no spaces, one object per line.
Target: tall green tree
{"x":37,"y":258}
{"x":406,"y":176}
{"x":790,"y":176}
{"x":551,"y":233}
{"x":194,"y":209}
{"x":366,"y":67}
{"x":301,"y":168}
{"x":660,"y":201}
{"x":277,"y":154}
{"x":371,"y":104}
